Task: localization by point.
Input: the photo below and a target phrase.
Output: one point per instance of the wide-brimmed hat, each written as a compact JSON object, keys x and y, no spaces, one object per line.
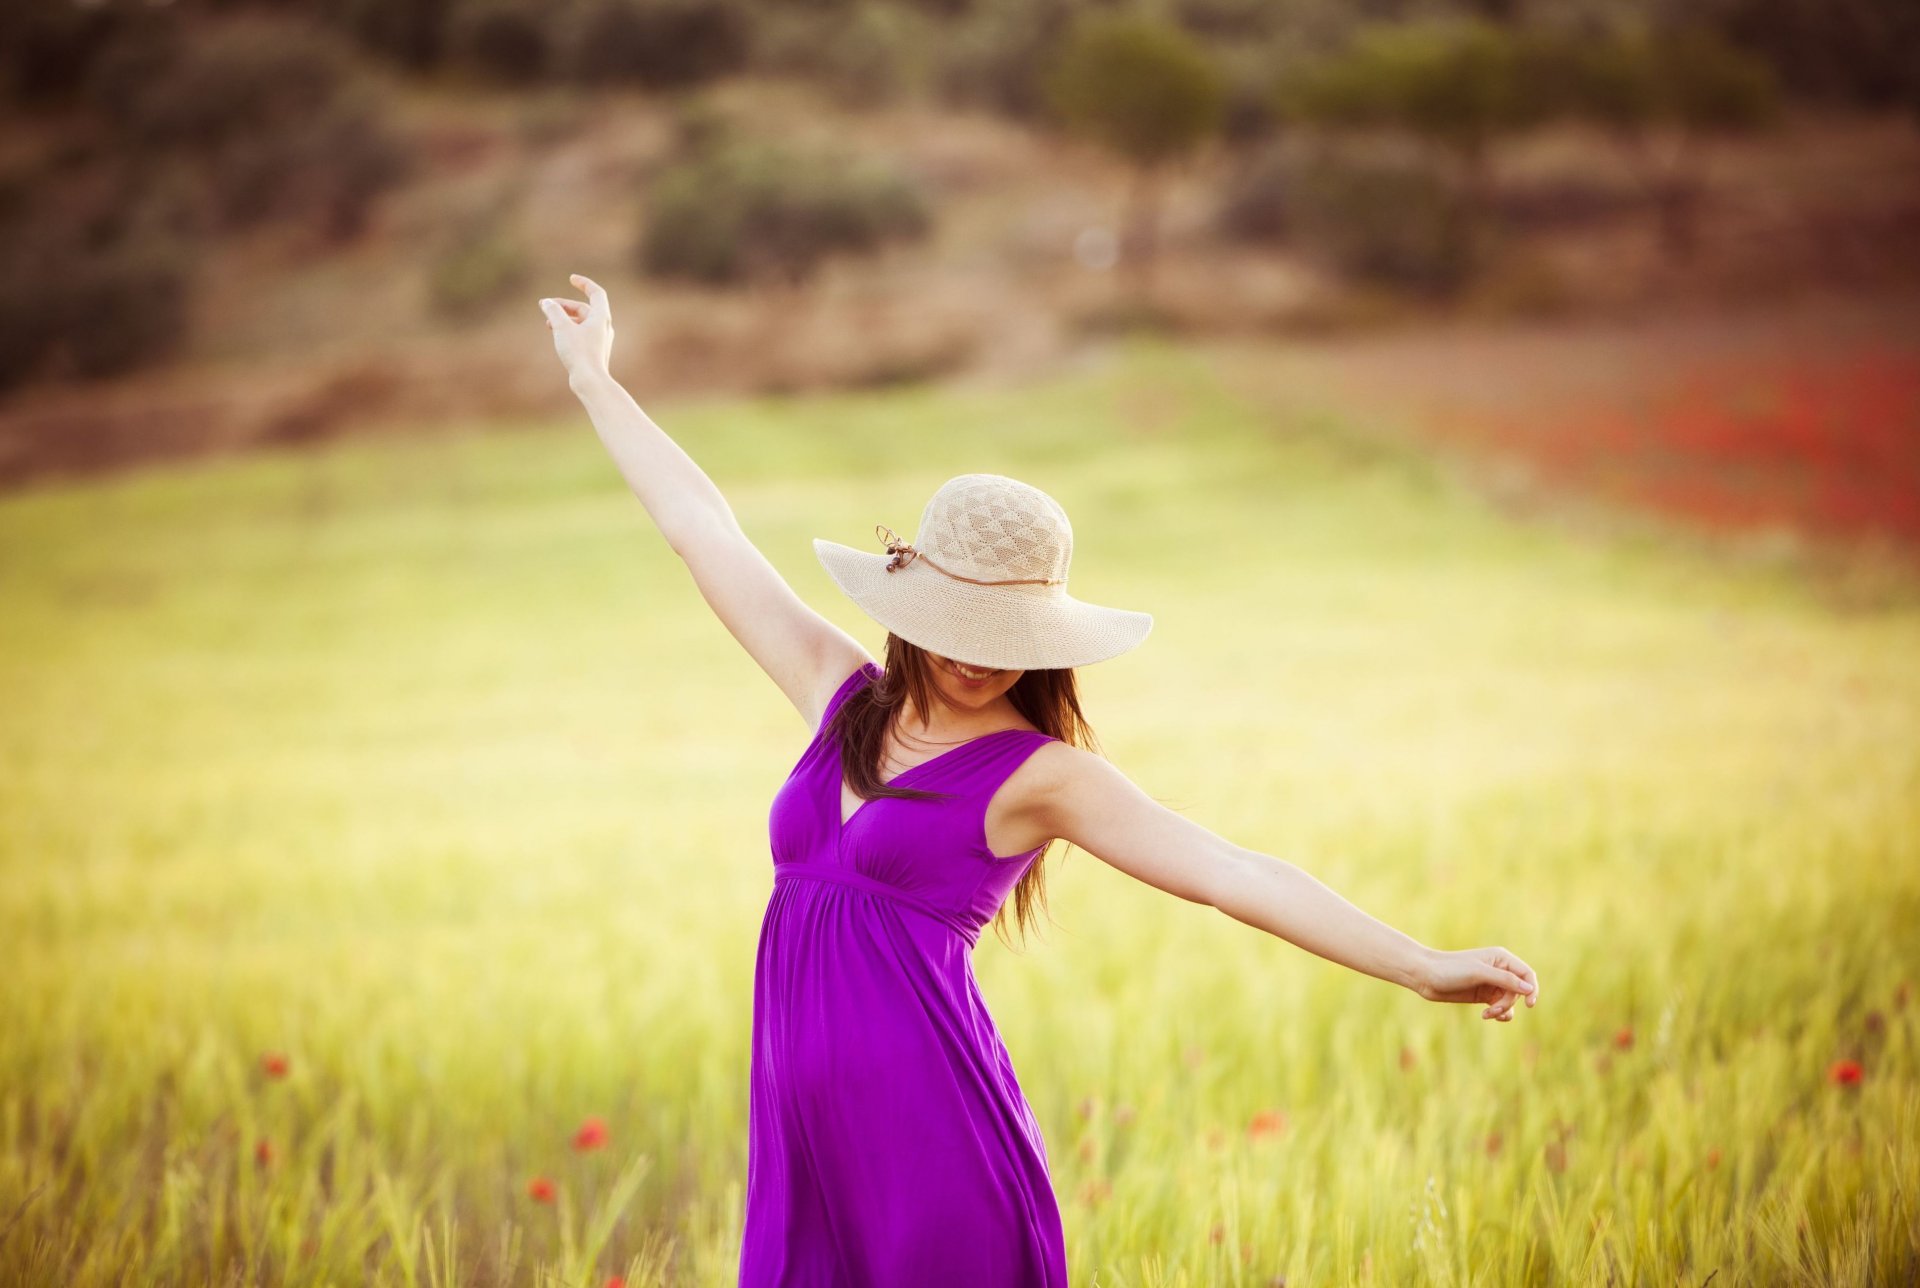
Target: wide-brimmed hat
{"x":985,"y":581}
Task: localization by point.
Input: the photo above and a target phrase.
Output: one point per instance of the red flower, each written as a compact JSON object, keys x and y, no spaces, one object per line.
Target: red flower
{"x":592,"y":1134}
{"x":1268,"y":1123}
{"x":1624,"y":1038}
{"x":615,"y":1281}
{"x":263,"y":1152}
{"x":274,"y":1064}
{"x":540,"y":1190}
{"x":1846,"y":1073}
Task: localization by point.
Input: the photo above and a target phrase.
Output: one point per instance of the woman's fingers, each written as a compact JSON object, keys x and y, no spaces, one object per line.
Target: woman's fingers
{"x":596,"y":296}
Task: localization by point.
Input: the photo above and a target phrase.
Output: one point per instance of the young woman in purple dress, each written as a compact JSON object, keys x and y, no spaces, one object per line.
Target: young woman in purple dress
{"x":889,"y":1140}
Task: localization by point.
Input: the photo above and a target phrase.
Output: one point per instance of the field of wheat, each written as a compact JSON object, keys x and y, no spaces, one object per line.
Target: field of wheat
{"x":383,"y":842}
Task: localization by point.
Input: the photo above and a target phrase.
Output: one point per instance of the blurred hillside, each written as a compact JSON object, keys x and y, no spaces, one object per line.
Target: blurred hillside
{"x":235,"y":224}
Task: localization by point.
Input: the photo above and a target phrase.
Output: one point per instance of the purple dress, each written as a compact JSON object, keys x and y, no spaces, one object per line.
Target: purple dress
{"x":890,"y":1143}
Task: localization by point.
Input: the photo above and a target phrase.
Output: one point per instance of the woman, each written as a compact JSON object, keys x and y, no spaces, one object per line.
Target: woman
{"x":889,"y":1140}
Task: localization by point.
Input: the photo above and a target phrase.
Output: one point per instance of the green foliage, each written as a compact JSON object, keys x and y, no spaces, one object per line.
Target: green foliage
{"x":277,"y":116}
{"x":1691,"y":79}
{"x":1143,"y":88}
{"x":998,"y":56}
{"x":1457,"y":82}
{"x":659,"y":44}
{"x":482,"y":264}
{"x":734,"y":209}
{"x":1388,"y":215}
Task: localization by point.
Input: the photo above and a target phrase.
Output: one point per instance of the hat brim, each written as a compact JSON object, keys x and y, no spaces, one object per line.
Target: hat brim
{"x":1020,"y":628}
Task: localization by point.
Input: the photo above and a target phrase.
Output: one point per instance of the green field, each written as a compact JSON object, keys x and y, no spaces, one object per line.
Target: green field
{"x":424,"y":764}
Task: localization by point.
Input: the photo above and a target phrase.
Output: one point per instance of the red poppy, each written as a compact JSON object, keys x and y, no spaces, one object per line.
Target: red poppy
{"x":1846,"y":1073}
{"x":615,"y":1281}
{"x":1270,"y":1122}
{"x":1624,"y":1038}
{"x":263,"y":1152}
{"x":592,"y":1134}
{"x":274,"y":1064}
{"x":540,"y":1190}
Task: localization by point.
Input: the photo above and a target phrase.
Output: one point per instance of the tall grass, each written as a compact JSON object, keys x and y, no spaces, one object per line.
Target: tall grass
{"x":422,"y":765}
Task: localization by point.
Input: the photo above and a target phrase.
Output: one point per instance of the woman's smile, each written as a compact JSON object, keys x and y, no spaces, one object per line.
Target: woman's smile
{"x":974,"y":677}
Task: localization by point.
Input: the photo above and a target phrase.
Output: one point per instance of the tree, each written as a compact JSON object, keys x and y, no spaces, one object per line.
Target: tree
{"x":1459,"y":84}
{"x":1147,"y":91}
{"x":1665,"y":94}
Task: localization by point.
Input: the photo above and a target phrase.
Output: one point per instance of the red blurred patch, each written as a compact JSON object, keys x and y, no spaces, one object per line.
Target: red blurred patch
{"x":540,"y":1189}
{"x":1845,"y":1073}
{"x":1268,"y":1123}
{"x":592,"y":1134}
{"x":274,"y":1064}
{"x":1827,"y":445}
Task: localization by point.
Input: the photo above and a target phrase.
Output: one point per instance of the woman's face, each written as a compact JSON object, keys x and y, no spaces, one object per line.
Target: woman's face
{"x":970,"y":686}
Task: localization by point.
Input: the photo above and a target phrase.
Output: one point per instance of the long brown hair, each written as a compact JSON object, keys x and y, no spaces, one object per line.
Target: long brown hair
{"x":1047,"y":699}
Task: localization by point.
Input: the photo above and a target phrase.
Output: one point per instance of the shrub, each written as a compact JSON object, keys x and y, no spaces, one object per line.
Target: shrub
{"x":1254,"y":205}
{"x":103,"y":293}
{"x":507,"y":41}
{"x":1145,"y":89}
{"x":997,"y":57}
{"x":1149,"y":92}
{"x":659,"y":44}
{"x":48,"y":47}
{"x":481,"y":265}
{"x":1387,"y":215}
{"x":411,"y":33}
{"x":743,"y":209}
{"x":275,"y":113}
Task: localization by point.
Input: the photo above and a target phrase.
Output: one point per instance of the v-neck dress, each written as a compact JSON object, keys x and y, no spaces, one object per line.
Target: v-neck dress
{"x":889,"y":1142}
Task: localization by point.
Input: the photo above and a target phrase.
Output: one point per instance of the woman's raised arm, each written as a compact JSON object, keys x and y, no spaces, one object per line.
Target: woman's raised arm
{"x":1071,"y":793}
{"x":801,"y":651}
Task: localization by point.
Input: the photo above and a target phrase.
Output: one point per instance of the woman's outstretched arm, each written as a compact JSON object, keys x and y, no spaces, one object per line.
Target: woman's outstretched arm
{"x":801,"y":651}
{"x":1070,"y":793}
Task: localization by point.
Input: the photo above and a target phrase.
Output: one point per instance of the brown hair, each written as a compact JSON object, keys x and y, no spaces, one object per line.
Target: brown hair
{"x":1048,"y":699}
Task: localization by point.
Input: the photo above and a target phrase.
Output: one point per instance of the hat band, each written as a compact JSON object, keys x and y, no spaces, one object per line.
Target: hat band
{"x":903,"y":554}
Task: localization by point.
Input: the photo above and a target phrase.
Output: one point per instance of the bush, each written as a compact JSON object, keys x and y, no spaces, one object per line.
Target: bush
{"x":411,"y":33}
{"x":1386,"y":215}
{"x":659,"y":44}
{"x":1143,"y":88}
{"x":48,"y":47}
{"x":101,"y":291}
{"x":506,"y":41}
{"x":483,"y":264}
{"x":276,"y":114}
{"x":739,"y":209}
{"x":996,"y":58}
{"x":1254,"y":206}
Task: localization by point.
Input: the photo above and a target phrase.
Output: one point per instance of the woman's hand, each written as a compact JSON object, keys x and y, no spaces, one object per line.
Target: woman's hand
{"x":1491,"y":975}
{"x":582,"y":333}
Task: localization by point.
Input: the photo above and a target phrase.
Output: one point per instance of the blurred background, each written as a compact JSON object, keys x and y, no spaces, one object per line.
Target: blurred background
{"x":1510,"y":412}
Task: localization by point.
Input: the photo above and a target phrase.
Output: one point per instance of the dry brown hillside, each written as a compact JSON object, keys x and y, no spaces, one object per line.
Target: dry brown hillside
{"x":289,"y":344}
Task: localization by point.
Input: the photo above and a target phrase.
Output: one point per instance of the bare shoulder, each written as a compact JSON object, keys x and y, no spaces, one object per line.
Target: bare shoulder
{"x":1057,"y":780}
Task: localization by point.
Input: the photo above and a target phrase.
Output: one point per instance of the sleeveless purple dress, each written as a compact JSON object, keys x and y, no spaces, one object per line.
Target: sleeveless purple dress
{"x":890,"y":1143}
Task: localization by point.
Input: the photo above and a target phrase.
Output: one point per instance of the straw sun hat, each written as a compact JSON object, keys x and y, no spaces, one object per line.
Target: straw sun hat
{"x":986,"y":583}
